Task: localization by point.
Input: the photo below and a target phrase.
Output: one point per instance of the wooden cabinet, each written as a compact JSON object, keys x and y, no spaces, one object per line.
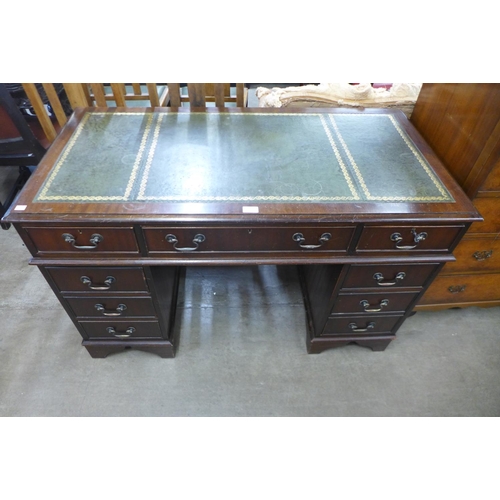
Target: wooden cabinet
{"x":461,"y":122}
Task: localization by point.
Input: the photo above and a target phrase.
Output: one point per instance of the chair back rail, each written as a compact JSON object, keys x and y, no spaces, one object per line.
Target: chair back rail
{"x":198,"y":94}
{"x":123,"y":95}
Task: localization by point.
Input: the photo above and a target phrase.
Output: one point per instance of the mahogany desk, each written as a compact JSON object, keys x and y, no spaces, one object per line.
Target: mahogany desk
{"x":124,"y":198}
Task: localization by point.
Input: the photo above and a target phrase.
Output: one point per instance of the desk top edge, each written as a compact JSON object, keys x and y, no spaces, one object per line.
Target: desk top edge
{"x":461,"y":208}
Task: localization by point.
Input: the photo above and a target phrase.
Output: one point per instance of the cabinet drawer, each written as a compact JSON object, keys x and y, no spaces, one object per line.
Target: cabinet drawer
{"x":121,"y":330}
{"x":98,"y":279}
{"x":385,"y":276}
{"x":459,"y":288}
{"x":105,"y":307}
{"x":366,"y":325}
{"x":476,"y":255}
{"x":88,"y":241}
{"x":175,"y":240}
{"x":489,"y":208}
{"x":373,"y":303}
{"x":408,"y":238}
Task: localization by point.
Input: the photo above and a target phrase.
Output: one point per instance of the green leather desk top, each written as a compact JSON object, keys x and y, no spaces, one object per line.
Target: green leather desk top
{"x":241,"y":157}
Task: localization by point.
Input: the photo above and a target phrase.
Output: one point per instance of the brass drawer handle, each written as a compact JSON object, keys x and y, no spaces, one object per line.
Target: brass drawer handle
{"x":95,"y":239}
{"x":299,"y":238}
{"x":128,"y":332}
{"x":369,"y":326}
{"x":366,"y":305}
{"x":199,"y":238}
{"x":120,"y":308}
{"x":107,"y":283}
{"x":379,"y":278}
{"x":417,"y":238}
{"x":486,"y":254}
{"x":457,"y":288}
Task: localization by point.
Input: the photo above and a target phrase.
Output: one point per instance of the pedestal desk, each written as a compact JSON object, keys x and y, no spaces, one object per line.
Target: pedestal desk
{"x":124,"y":198}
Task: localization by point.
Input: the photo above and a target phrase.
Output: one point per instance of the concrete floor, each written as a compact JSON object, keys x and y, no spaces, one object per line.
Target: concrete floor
{"x":241,"y":353}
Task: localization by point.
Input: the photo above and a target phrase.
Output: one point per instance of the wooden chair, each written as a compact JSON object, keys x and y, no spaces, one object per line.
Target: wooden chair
{"x":133,"y":94}
{"x":198,"y":94}
{"x":18,"y":146}
{"x":91,"y":94}
{"x":119,"y":94}
{"x":49,"y":125}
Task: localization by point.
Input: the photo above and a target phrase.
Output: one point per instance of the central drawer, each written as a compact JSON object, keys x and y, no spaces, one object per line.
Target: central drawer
{"x":175,"y":240}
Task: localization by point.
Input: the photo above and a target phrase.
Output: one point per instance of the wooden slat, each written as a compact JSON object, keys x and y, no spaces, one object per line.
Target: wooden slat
{"x":137,"y":88}
{"x":86,"y":91}
{"x":76,"y":95}
{"x":174,"y":90}
{"x":241,"y":95}
{"x":197,"y":95}
{"x":210,"y":89}
{"x":165,"y":95}
{"x":153,"y":94}
{"x":219,"y":92}
{"x":40,"y":111}
{"x":55,"y":103}
{"x":118,"y":93}
{"x":99,"y":95}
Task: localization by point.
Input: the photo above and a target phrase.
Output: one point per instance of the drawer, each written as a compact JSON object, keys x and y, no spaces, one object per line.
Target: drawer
{"x":108,"y":307}
{"x":365,"y":325}
{"x":459,"y":288}
{"x":175,"y":240}
{"x":389,"y":275}
{"x":371,"y":303}
{"x":121,"y":330}
{"x":476,"y":254}
{"x":88,"y":241}
{"x":408,"y":238}
{"x":98,"y":279}
{"x":489,"y":208}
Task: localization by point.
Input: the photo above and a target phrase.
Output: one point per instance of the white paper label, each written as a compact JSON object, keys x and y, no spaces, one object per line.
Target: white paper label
{"x":20,"y":207}
{"x":250,"y":210}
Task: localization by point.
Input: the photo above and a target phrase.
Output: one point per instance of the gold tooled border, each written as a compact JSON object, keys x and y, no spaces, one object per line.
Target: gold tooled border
{"x":179,"y":198}
{"x":43,"y":193}
{"x":445,"y":196}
